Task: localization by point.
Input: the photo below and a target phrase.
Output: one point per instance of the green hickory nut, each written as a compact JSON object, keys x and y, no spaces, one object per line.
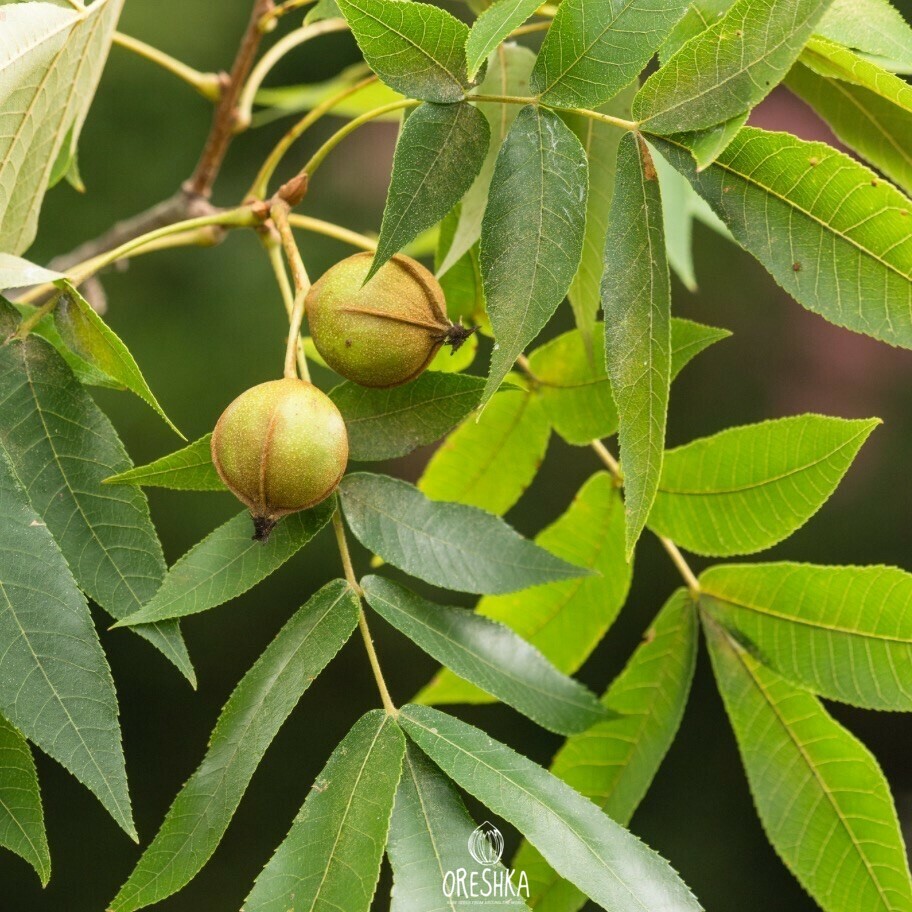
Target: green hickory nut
{"x":280,"y":447}
{"x":383,"y":333}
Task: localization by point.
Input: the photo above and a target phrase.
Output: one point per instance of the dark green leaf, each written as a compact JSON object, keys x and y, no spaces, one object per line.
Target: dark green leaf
{"x":615,"y":763}
{"x":55,"y":685}
{"x":821,"y":796}
{"x":62,"y":447}
{"x":843,"y":632}
{"x":489,"y":655}
{"x":21,"y":815}
{"x":227,"y":563}
{"x":446,"y":544}
{"x":246,"y":727}
{"x":489,"y":462}
{"x":582,"y":844}
{"x":728,"y":68}
{"x":834,"y":236}
{"x":636,"y":298}
{"x":415,"y":48}
{"x":493,"y":26}
{"x":596,"y":47}
{"x":747,"y":488}
{"x":188,"y":469}
{"x":94,"y":341}
{"x":331,"y":857}
{"x":532,"y":234}
{"x":386,"y":423}
{"x":428,"y":837}
{"x":439,"y":153}
{"x":567,"y":620}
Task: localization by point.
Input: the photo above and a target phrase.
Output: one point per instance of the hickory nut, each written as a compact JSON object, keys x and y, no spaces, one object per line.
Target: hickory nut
{"x":383,"y":333}
{"x":280,"y":447}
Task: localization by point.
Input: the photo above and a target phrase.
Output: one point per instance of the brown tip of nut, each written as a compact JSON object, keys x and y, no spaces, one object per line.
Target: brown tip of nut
{"x":262,"y":528}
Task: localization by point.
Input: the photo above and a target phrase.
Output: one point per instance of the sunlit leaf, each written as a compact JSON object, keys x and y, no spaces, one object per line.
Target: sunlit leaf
{"x":16,"y":272}
{"x":489,"y":462}
{"x":493,"y":26}
{"x":749,"y":487}
{"x":872,"y":27}
{"x":331,"y":857}
{"x":254,"y":713}
{"x":821,"y":796}
{"x":843,"y":632}
{"x":187,"y":469}
{"x":447,"y":544}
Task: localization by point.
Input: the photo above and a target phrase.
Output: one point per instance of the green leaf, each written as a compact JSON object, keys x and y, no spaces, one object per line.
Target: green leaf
{"x":700,"y":15}
{"x":834,"y":236}
{"x":439,"y":153}
{"x":16,"y":272}
{"x":250,"y":720}
{"x":493,"y":26}
{"x":575,"y":388}
{"x":50,"y":64}
{"x":446,"y":544}
{"x":228,"y":562}
{"x":747,"y":488}
{"x":842,"y":632}
{"x":636,"y":298}
{"x":593,"y":49}
{"x":280,"y":101}
{"x":94,"y":341}
{"x":62,"y":447}
{"x":507,"y":74}
{"x":55,"y":685}
{"x":869,"y":109}
{"x":681,"y":206}
{"x":707,"y":145}
{"x":614,"y":763}
{"x":822,"y":799}
{"x":600,"y":142}
{"x":584,"y":845}
{"x":872,"y":27}
{"x":532,"y":234}
{"x":489,"y":462}
{"x":386,"y":423}
{"x":331,"y":858}
{"x":728,"y":68}
{"x":567,"y":620}
{"x":21,"y":815}
{"x":187,"y":469}
{"x":428,"y":836}
{"x":415,"y":48}
{"x":488,"y":654}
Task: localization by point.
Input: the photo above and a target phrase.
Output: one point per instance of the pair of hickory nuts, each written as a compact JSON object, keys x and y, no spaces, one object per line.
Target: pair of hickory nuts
{"x":282,"y":446}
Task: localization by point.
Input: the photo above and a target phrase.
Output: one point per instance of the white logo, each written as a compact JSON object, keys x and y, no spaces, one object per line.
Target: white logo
{"x":486,"y":844}
{"x":489,"y":882}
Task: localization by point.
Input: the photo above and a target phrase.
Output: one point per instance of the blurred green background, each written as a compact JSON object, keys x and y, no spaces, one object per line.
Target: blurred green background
{"x":206,"y":324}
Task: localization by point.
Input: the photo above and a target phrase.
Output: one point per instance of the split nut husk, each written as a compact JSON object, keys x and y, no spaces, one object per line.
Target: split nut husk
{"x":280,"y":447}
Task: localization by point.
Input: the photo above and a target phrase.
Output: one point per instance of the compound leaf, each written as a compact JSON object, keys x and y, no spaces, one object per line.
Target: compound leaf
{"x":386,"y":423}
{"x":747,"y":488}
{"x":331,"y":857}
{"x":228,"y":562}
{"x":584,"y":845}
{"x":488,"y":654}
{"x":446,"y":544}
{"x":532,"y":234}
{"x":254,"y":713}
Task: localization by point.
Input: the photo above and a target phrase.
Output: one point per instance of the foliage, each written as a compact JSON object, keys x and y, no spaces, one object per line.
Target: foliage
{"x":533,"y":179}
